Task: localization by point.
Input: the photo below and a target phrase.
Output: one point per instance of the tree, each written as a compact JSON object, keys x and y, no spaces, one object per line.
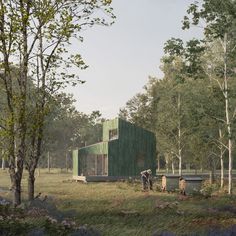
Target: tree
{"x":34,"y":36}
{"x":67,"y":128}
{"x":180,"y":64}
{"x":220,"y":21}
{"x":157,"y":110}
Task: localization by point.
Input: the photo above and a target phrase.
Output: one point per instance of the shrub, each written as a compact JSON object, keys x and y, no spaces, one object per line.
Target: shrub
{"x":208,"y":189}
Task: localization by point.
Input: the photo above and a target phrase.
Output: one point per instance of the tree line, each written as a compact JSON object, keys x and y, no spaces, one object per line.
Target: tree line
{"x":192,"y":109}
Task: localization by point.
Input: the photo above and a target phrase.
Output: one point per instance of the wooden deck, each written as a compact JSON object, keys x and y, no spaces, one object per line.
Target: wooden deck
{"x":101,"y":178}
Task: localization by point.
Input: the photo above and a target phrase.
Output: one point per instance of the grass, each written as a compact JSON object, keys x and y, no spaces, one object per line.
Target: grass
{"x":121,"y":209}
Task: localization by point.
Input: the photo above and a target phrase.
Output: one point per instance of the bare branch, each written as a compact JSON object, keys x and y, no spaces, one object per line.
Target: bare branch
{"x":221,"y":143}
{"x":234,"y":114}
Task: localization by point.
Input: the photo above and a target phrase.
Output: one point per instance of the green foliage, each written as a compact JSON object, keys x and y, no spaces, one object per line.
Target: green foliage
{"x":208,"y":189}
{"x":36,"y":63}
{"x":10,"y":221}
{"x":66,"y":129}
{"x":188,"y":114}
{"x":189,"y":55}
{"x":219,"y":17}
{"x":11,"y":227}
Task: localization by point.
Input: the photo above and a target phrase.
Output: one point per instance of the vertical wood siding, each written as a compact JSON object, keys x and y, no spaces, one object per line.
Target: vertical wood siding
{"x":134,"y":143}
{"x":132,"y":152}
{"x":75,"y":163}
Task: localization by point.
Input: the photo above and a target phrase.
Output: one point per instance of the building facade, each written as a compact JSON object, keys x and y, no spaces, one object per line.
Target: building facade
{"x":125,"y":150}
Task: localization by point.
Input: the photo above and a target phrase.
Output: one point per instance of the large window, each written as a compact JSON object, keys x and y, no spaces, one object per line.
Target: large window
{"x":93,"y":165}
{"x":113,"y":134}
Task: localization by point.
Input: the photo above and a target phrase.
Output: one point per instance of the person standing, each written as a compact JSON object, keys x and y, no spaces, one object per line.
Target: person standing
{"x":146,"y":179}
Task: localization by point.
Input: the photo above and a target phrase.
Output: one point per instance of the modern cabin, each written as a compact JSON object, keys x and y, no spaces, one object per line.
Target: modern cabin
{"x":125,"y":151}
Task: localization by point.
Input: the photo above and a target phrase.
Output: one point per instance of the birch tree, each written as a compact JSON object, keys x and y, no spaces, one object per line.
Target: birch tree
{"x":181,"y":63}
{"x":219,"y":20}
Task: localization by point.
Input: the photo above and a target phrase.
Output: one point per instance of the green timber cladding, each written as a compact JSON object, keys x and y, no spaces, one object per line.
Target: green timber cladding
{"x":126,"y":150}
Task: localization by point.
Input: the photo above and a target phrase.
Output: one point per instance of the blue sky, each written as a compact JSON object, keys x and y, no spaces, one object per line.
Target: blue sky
{"x":121,"y":57}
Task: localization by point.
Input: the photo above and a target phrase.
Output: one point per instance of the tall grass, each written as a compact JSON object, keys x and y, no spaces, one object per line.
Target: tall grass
{"x":121,"y":208}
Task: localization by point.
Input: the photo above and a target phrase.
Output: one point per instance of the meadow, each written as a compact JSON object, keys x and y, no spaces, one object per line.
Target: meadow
{"x":122,"y":209}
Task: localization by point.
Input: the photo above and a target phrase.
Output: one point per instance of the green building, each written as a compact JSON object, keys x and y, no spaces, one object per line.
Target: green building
{"x":126,"y":150}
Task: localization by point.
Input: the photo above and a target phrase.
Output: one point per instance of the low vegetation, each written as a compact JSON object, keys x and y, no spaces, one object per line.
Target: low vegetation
{"x":121,"y":208}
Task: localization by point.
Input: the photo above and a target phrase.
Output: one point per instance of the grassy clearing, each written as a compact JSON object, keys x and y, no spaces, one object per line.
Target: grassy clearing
{"x":120,"y":208}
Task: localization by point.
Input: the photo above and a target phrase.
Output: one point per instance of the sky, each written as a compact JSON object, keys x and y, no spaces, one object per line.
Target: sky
{"x":123,"y":56}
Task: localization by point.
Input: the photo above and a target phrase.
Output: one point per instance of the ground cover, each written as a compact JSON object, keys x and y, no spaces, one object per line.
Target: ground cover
{"x":121,"y":208}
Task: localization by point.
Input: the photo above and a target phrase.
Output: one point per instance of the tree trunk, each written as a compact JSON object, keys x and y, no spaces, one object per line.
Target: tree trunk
{"x":221,"y":160}
{"x":173,"y":166}
{"x":167,"y":162}
{"x":230,"y":189}
{"x":227,"y":115}
{"x":16,"y":190}
{"x":33,"y":163}
{"x":221,"y":172}
{"x":179,"y":136}
{"x":31,"y":180}
{"x":15,"y":168}
{"x":49,"y":163}
{"x":201,"y":168}
{"x":158,"y":163}
{"x":230,"y":144}
{"x":3,"y":163}
{"x":66,"y":162}
{"x":212,"y":169}
{"x":17,"y":195}
{"x":210,"y":177}
{"x":180,"y":166}
{"x":16,"y":176}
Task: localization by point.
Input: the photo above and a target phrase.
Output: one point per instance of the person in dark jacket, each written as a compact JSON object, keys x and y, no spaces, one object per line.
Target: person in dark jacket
{"x":146,"y":178}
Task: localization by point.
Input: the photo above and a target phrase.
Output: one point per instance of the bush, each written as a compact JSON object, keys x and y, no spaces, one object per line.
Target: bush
{"x":11,"y":226}
{"x":208,"y":189}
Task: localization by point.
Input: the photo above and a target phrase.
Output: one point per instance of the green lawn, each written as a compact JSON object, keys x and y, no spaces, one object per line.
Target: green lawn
{"x":120,"y":208}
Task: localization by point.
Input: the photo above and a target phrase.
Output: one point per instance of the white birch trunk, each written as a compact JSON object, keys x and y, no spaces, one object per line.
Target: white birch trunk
{"x":167,"y":162}
{"x":221,"y":172}
{"x":173,"y":166}
{"x":3,"y":164}
{"x":49,"y":162}
{"x":221,"y":160}
{"x":179,"y":136}
{"x":227,"y":115}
